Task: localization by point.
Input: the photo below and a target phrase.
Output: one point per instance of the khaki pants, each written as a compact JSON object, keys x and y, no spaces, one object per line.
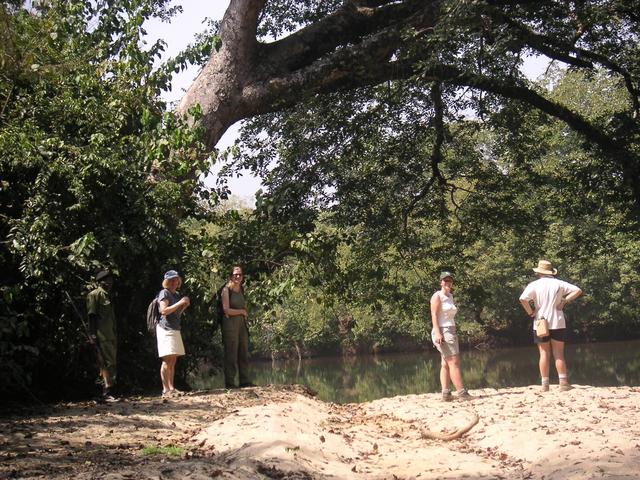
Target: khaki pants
{"x":235,"y":338}
{"x":108,"y":348}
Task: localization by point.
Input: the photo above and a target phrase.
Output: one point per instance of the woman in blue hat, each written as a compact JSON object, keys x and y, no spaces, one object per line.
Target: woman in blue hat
{"x":170,"y":346}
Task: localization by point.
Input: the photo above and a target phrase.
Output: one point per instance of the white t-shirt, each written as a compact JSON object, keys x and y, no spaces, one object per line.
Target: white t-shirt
{"x":546,"y":293}
{"x":447,"y":310}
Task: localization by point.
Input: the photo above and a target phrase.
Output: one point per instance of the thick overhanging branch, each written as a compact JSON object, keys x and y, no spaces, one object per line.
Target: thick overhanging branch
{"x":369,"y":63}
{"x":348,"y":26}
{"x":350,"y":48}
{"x":568,"y":53}
{"x":626,"y":160}
{"x":362,"y":44}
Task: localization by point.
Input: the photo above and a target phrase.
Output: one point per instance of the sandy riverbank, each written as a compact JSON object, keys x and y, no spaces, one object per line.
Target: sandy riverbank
{"x":285,"y":433}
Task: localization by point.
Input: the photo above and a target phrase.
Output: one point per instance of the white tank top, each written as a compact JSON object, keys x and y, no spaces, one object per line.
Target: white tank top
{"x":447,"y":311}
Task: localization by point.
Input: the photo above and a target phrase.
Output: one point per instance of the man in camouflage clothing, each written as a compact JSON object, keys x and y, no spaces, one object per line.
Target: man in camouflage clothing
{"x":102,"y":323}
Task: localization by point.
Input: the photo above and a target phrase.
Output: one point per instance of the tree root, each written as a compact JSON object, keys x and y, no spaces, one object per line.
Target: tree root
{"x":428,"y":434}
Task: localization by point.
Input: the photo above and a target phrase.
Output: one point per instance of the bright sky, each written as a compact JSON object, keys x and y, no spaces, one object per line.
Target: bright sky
{"x":180,"y":33}
{"x":177,"y":35}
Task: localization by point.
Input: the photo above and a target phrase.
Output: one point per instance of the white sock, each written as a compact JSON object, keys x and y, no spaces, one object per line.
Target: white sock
{"x":563,"y":378}
{"x":545,"y":380}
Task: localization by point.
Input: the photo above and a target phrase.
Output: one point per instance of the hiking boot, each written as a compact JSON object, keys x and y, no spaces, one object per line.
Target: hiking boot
{"x":108,"y":397}
{"x":176,"y":393}
{"x":544,"y":387}
{"x":464,"y":395}
{"x":564,"y":387}
{"x":446,"y":396}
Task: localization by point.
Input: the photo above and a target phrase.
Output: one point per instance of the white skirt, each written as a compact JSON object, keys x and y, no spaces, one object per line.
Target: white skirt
{"x":169,"y":342}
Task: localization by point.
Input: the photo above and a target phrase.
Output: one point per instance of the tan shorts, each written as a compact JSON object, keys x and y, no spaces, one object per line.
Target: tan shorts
{"x":169,"y":342}
{"x":449,"y":345}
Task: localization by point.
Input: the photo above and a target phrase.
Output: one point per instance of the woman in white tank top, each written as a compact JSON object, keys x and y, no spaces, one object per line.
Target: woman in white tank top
{"x":445,"y":338}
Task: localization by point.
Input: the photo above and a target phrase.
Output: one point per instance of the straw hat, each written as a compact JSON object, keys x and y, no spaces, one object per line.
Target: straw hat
{"x":545,"y":268}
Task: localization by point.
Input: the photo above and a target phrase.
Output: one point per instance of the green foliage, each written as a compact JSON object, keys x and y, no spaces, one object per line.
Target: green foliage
{"x":509,"y":189}
{"x":169,"y":450}
{"x":81,"y":128}
{"x":368,"y":194}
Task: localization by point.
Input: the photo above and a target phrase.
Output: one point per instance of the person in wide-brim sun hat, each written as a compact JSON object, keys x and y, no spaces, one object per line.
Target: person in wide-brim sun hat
{"x":545,"y":299}
{"x":545,"y":268}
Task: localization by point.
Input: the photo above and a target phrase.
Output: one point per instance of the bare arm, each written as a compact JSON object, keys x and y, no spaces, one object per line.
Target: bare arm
{"x":527,"y":307}
{"x":569,"y":298}
{"x":165,"y":309}
{"x":435,"y":306}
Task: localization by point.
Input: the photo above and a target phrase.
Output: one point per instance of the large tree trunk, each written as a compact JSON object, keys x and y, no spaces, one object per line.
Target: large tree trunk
{"x":219,"y":88}
{"x":246,"y":77}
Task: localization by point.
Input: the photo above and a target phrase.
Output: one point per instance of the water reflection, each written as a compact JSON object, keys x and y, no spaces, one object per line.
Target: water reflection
{"x":364,"y":378}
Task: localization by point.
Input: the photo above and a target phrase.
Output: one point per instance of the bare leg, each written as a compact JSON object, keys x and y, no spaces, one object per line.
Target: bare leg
{"x":454,"y":371}
{"x":545,"y":358}
{"x":444,"y":374}
{"x":561,"y":365}
{"x":167,"y":372}
{"x":106,"y":378}
{"x":558,"y":354}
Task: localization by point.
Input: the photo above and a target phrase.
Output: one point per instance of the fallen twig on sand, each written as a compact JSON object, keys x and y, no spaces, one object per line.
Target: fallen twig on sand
{"x":450,"y":436}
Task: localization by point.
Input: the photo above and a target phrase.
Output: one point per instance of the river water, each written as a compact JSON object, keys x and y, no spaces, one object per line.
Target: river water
{"x":368,"y":377}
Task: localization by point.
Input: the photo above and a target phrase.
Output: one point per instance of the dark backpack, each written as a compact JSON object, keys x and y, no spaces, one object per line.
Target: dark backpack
{"x":153,"y":315}
{"x":218,"y":310}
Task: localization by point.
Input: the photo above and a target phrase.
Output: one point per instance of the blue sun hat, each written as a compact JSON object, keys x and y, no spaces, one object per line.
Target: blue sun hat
{"x":171,"y":274}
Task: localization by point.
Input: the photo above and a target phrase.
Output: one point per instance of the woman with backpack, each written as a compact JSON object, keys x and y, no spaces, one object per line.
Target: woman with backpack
{"x":170,"y":346}
{"x":235,"y":333}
